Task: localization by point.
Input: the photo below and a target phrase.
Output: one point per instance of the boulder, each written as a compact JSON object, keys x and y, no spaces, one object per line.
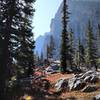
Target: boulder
{"x":71,"y":83}
{"x":94,"y":78}
{"x":87,"y":78}
{"x":61,"y":84}
{"x":98,"y":74}
{"x":78,"y":85}
{"x":79,"y":81}
{"x":89,"y":89}
{"x":87,"y":74}
{"x":49,"y":70}
{"x":78,"y":75}
{"x":97,"y":97}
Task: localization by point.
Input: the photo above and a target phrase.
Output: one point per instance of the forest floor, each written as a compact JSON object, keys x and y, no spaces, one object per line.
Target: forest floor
{"x":71,"y":95}
{"x":66,"y":95}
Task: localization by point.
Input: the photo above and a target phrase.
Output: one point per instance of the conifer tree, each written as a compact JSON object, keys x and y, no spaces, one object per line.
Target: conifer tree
{"x":71,"y":48}
{"x":48,"y":51}
{"x":51,"y":47}
{"x":91,"y":48}
{"x":25,"y":57}
{"x":98,"y":39}
{"x":7,"y":10}
{"x":80,"y":53}
{"x":42,"y":58}
{"x":98,"y":43}
{"x":36,"y":58}
{"x":15,"y":33}
{"x":1,"y":40}
{"x":64,"y":38}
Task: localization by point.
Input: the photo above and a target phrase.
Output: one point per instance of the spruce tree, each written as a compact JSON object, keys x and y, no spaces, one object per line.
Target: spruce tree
{"x":64,"y":38}
{"x":91,"y":48}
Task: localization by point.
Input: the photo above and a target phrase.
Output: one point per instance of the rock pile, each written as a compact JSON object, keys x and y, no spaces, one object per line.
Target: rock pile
{"x":79,"y":82}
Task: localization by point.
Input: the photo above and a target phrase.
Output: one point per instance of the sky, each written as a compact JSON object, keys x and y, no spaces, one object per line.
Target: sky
{"x":45,"y":11}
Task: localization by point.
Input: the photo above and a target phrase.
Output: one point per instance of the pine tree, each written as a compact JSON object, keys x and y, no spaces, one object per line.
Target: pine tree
{"x":99,"y":33}
{"x":51,"y":47}
{"x":48,"y":51}
{"x":80,"y":53}
{"x":98,"y":43}
{"x":36,"y":58}
{"x":46,"y":61}
{"x":64,"y":38}
{"x":1,"y":41}
{"x":15,"y":33}
{"x":91,"y":48}
{"x":42,"y":58}
{"x":98,"y":38}
{"x":71,"y":48}
{"x":7,"y":10}
{"x":25,"y":51}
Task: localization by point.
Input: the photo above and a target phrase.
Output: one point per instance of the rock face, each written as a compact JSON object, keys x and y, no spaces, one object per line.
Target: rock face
{"x":40,"y":41}
{"x":81,"y":11}
{"x":39,"y":47}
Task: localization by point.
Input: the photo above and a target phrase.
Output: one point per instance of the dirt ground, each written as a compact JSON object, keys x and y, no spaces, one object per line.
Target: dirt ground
{"x":73,"y":95}
{"x":66,"y":95}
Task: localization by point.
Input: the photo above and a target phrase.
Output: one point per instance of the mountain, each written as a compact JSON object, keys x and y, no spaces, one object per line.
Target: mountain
{"x":41,"y":43}
{"x":81,"y":11}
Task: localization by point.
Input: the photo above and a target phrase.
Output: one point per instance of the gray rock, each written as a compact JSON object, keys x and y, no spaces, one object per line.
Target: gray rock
{"x":49,"y":70}
{"x":97,"y":97}
{"x":89,"y":89}
{"x":87,"y":78}
{"x":79,"y":85}
{"x":78,"y":75}
{"x":94,"y":79}
{"x":71,"y":83}
{"x":98,"y":74}
{"x":91,"y":78}
{"x":87,"y":74}
{"x":76,"y":84}
{"x":61,"y":84}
